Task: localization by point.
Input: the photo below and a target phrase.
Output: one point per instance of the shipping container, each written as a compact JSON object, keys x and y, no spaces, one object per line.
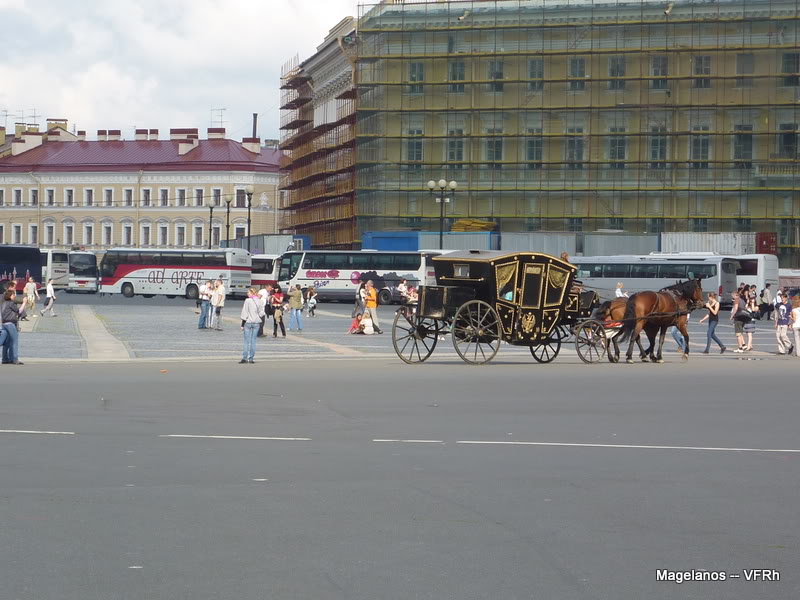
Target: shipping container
{"x":271,"y":243}
{"x":549,"y":242}
{"x":723,"y":243}
{"x":428,"y":240}
{"x":614,"y":244}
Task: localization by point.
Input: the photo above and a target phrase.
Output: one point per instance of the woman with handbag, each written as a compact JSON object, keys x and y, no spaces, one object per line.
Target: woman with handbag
{"x":739,"y":315}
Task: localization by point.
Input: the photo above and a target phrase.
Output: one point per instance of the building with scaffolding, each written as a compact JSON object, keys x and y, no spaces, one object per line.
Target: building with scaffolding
{"x":579,"y":116}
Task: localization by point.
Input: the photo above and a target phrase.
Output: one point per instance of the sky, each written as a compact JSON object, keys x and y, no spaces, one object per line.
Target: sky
{"x":121,"y":64}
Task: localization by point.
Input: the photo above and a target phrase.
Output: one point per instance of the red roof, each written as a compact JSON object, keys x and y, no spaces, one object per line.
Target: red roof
{"x":135,"y":155}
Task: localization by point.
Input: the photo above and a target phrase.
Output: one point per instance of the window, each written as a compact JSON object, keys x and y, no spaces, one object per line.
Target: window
{"x":416,"y":73}
{"x":33,"y":234}
{"x":2,"y":197}
{"x":536,"y":74}
{"x":163,"y":197}
{"x":575,"y":144}
{"x":49,"y":234}
{"x":494,"y":148}
{"x":791,"y":65}
{"x":182,"y":197}
{"x":163,"y":235}
{"x":616,"y":271}
{"x":17,"y":197}
{"x":743,"y":146}
{"x":617,"y":147}
{"x":239,"y":231}
{"x":180,"y":235}
{"x":701,"y":65}
{"x":216,"y":235}
{"x":642,"y":271}
{"x":495,"y":73}
{"x":698,"y":225}
{"x":455,"y":148}
{"x":108,"y":197}
{"x":701,"y":147}
{"x":658,"y":147}
{"x":672,"y":271}
{"x":198,"y":197}
{"x":577,"y":71}
{"x":88,"y":234}
{"x":575,"y":224}
{"x":69,"y":234}
{"x":616,"y":68}
{"x":659,"y":69}
{"x":128,"y":197}
{"x":456,"y":72}
{"x":107,"y":234}
{"x":127,"y":234}
{"x":17,"y":234}
{"x":745,"y":65}
{"x":34,"y":193}
{"x":216,"y":194}
{"x":655,"y":225}
{"x":197,"y":240}
{"x":787,"y":140}
{"x":241,"y":199}
{"x":534,"y":148}
{"x":145,"y":235}
{"x":88,"y":197}
{"x":50,"y":197}
{"x":146,"y":198}
{"x":743,"y":224}
{"x":414,"y":146}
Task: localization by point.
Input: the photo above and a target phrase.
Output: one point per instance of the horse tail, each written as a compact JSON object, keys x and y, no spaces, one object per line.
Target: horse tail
{"x":628,"y":321}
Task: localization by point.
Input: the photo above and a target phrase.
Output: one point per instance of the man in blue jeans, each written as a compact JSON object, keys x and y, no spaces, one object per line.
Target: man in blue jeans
{"x":205,"y":305}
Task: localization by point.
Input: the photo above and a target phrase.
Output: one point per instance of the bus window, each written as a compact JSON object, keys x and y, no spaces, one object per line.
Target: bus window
{"x":44,"y":259}
{"x":748,"y":267}
{"x":616,"y":271}
{"x":586,"y":271}
{"x":642,"y":271}
{"x":406,"y":262}
{"x":672,"y":271}
{"x":701,"y":271}
{"x":60,"y":257}
{"x":289,"y":266}
{"x":729,"y":267}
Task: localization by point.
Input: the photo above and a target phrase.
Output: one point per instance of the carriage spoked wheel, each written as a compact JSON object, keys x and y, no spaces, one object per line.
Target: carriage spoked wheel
{"x":413,"y":337}
{"x":591,"y":341}
{"x":476,"y":332}
{"x":546,"y":351}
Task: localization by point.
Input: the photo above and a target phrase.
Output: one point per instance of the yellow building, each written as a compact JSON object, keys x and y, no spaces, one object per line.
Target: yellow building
{"x":59,"y":190}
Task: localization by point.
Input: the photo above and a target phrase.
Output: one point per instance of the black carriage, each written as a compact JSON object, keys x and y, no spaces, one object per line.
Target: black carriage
{"x":485,"y":297}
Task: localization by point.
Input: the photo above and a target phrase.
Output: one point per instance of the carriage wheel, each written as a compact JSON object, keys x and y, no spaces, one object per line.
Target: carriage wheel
{"x":476,"y":332}
{"x":414,"y":338}
{"x":548,"y":349}
{"x":590,"y":341}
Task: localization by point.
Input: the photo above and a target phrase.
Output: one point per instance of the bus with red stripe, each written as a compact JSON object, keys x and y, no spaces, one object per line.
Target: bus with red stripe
{"x":265,"y":270}
{"x":172,"y":273}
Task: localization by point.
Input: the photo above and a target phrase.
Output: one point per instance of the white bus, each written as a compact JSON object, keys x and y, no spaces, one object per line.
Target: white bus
{"x":265,"y":270}
{"x":337,"y":273}
{"x":758,"y":269}
{"x":55,"y":265}
{"x":83,"y":274}
{"x":140,"y":271}
{"x":656,"y":271}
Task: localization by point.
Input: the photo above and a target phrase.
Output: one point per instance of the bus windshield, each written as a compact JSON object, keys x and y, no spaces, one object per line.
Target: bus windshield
{"x":83,"y":265}
{"x":289,"y":265}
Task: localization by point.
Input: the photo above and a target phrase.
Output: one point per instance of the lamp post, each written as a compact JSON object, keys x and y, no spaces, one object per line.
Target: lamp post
{"x":249,"y":191}
{"x":443,"y":187}
{"x":210,"y":221}
{"x":228,"y":221}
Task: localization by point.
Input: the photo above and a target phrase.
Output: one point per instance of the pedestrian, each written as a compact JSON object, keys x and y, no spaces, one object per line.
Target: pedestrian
{"x":205,"y":304}
{"x":783,"y":313}
{"x":795,"y":322}
{"x":371,"y":305}
{"x":263,"y":297}
{"x":750,"y":326}
{"x":766,"y":301}
{"x":738,"y":317}
{"x":276,"y":301}
{"x":620,"y":292}
{"x":678,"y":337}
{"x":358,"y":309}
{"x":217,"y":304}
{"x":31,"y":295}
{"x":311,"y":301}
{"x":402,"y":289}
{"x":296,"y":308}
{"x":252,"y":312}
{"x":11,"y":316}
{"x":712,"y":317}
{"x":50,"y":299}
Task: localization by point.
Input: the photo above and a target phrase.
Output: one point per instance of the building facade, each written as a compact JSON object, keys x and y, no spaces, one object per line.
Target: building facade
{"x":58,"y":190}
{"x":581,"y":116}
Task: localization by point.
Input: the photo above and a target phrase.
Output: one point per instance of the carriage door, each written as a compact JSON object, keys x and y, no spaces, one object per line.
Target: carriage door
{"x":531,"y":303}
{"x":507,"y":296}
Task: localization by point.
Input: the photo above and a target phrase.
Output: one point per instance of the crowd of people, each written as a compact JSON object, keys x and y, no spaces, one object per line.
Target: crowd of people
{"x":749,"y":307}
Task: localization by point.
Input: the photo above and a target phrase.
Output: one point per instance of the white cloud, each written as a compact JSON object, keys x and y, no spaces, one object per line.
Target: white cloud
{"x":117,"y":64}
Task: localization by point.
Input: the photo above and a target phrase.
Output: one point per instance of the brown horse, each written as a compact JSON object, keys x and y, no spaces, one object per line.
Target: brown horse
{"x":614,"y":311}
{"x":663,"y":309}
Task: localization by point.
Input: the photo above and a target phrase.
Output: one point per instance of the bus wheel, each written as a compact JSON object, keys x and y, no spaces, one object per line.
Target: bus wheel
{"x":127,"y":290}
{"x":384,"y":297}
{"x":192,"y":292}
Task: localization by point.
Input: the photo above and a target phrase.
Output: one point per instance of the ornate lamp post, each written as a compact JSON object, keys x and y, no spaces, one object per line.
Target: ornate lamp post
{"x":442,"y":186}
{"x":210,"y":220}
{"x":249,"y":191}
{"x":228,"y":220}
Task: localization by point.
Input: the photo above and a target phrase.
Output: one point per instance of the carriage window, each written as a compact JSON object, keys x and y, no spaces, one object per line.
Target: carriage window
{"x":672,"y":271}
{"x":701,"y":271}
{"x":532,"y":286}
{"x":506,"y":281}
{"x":616,"y":271}
{"x":644,"y":271}
{"x":460,"y":270}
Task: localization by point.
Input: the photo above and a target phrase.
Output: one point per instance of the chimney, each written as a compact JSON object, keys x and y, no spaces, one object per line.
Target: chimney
{"x":2,"y":135}
{"x":255,"y":124}
{"x":60,"y":123}
{"x":253,"y":144}
{"x":102,"y":134}
{"x":28,"y":141}
{"x":19,"y":129}
{"x":140,"y":135}
{"x":32,"y":127}
{"x":182,"y":134}
{"x":81,"y":135}
{"x":153,"y":134}
{"x":216,"y":133}
{"x":114,"y":135}
{"x":187,"y":145}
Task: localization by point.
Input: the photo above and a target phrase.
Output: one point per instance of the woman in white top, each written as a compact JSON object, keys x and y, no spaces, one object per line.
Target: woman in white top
{"x":621,"y":293}
{"x":794,"y":322}
{"x":51,"y":298}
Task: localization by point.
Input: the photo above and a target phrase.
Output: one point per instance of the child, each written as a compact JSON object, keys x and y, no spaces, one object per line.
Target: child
{"x":356,"y":327}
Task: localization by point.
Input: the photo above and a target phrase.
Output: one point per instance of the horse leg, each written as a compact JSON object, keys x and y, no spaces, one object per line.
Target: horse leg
{"x":613,"y":357}
{"x":685,"y":331}
{"x":637,"y":330}
{"x":659,"y":357}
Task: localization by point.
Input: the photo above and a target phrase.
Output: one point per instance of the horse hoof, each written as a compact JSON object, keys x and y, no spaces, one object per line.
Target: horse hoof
{"x":685,"y":357}
{"x":645,"y":359}
{"x":629,"y":361}
{"x":660,"y":360}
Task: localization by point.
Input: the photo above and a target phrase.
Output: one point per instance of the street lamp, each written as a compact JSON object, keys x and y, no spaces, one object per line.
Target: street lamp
{"x":443,"y":187}
{"x":228,"y":221}
{"x":249,"y":191}
{"x":210,"y":221}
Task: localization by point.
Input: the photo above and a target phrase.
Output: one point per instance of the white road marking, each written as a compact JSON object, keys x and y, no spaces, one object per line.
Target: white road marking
{"x":136,"y":567}
{"x":260,"y":479}
{"x":238,"y":437}
{"x":39,"y":432}
{"x":713,"y":449}
{"x":412,"y":441}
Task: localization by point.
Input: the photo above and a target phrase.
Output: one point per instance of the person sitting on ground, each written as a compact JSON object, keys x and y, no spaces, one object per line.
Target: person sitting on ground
{"x":355,"y":326}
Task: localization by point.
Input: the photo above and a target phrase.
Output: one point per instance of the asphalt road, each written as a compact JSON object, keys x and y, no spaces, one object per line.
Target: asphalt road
{"x":674,"y":466}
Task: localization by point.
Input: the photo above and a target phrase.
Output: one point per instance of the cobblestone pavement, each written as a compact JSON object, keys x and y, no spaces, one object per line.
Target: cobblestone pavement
{"x":52,"y":337}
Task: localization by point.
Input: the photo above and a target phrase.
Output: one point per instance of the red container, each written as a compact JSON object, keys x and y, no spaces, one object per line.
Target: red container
{"x":766,"y":242}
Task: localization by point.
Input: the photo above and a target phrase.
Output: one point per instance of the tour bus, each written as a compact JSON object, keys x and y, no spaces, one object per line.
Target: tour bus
{"x":657,"y":270}
{"x":55,"y":266}
{"x":337,"y":273}
{"x":265,"y":270}
{"x":147,"y":272}
{"x":18,"y":263}
{"x":790,"y":279}
{"x":83,"y":274}
{"x":758,"y":269}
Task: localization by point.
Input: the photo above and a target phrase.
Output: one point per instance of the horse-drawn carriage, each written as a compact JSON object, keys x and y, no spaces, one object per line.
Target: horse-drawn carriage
{"x":483,"y":298}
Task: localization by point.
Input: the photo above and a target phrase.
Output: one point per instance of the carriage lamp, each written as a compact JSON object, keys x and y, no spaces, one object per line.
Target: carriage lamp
{"x":249,"y":191}
{"x":443,"y":187}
